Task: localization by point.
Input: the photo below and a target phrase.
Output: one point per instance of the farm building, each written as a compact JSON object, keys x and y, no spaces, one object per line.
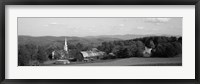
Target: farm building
{"x":147,"y":52}
{"x":92,"y":55}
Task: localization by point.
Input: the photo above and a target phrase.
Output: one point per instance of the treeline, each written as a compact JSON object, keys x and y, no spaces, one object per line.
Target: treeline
{"x":162,"y":46}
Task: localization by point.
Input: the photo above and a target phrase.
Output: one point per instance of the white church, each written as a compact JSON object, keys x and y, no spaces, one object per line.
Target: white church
{"x":63,"y":54}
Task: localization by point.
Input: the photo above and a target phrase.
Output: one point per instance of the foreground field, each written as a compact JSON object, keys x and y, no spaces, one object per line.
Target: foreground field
{"x":138,"y":62}
{"x":134,"y":61}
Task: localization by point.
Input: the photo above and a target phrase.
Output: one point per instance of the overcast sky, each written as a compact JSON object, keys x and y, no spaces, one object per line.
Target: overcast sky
{"x":98,"y":26}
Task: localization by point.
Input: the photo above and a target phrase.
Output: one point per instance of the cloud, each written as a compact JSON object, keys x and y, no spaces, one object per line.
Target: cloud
{"x":140,"y":27}
{"x":53,"y":24}
{"x":121,"y":25}
{"x":46,"y":25}
{"x":157,"y":20}
{"x":155,"y":29}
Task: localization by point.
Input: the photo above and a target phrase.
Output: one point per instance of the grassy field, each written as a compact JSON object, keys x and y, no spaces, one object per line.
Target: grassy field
{"x":134,"y":61}
{"x":138,"y":62}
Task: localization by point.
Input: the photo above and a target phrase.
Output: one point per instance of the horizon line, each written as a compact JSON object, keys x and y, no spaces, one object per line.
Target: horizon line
{"x":102,"y":35}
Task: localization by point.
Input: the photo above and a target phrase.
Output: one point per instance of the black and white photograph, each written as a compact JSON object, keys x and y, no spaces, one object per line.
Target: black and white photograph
{"x":99,"y":41}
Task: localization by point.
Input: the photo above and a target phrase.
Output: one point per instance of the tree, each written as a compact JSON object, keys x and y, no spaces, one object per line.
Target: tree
{"x":23,"y":56}
{"x":159,"y":51}
{"x":41,"y":55}
{"x":70,"y":46}
{"x":116,"y":49}
{"x":26,"y":54}
{"x":180,"y":40}
{"x":107,"y":47}
{"x":151,"y":44}
{"x":140,"y":48}
{"x":132,"y":49}
{"x":79,"y":46}
{"x":122,"y":53}
{"x":76,"y":54}
{"x":169,"y":49}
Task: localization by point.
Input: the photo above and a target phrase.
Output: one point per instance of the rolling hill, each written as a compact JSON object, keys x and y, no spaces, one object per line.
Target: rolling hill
{"x":46,"y":40}
{"x":87,"y":40}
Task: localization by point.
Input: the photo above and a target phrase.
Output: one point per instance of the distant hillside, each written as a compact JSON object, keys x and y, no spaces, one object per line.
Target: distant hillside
{"x":46,"y":40}
{"x":124,"y":37}
{"x":88,"y":40}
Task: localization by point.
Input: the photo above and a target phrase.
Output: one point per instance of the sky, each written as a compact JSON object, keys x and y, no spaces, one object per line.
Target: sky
{"x":99,"y":26}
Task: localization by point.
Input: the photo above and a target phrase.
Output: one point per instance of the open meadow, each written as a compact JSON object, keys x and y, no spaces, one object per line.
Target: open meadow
{"x":133,"y":61}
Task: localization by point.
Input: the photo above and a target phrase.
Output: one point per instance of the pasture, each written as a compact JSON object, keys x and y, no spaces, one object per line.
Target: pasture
{"x":133,"y":61}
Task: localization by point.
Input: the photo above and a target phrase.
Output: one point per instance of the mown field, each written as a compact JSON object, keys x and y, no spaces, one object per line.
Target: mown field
{"x":138,"y":62}
{"x":134,"y":61}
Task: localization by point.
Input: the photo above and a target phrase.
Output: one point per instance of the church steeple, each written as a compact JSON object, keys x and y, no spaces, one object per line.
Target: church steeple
{"x":65,"y":46}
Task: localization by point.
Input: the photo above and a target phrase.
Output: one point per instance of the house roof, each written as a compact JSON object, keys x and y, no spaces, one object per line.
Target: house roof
{"x":91,"y":53}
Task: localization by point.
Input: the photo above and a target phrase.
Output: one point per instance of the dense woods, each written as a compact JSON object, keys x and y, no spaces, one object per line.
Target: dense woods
{"x":33,"y":54}
{"x":161,"y":47}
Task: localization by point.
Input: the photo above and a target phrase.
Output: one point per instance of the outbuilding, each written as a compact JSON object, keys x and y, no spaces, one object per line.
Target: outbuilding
{"x":92,"y":55}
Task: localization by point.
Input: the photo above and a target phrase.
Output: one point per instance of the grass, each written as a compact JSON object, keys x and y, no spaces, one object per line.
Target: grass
{"x":133,"y":61}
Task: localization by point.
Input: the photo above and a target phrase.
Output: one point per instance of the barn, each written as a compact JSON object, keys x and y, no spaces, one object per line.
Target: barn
{"x":92,"y":55}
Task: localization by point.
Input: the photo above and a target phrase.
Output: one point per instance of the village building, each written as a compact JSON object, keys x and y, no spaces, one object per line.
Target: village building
{"x":92,"y":54}
{"x":61,"y":54}
{"x":147,"y":52}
